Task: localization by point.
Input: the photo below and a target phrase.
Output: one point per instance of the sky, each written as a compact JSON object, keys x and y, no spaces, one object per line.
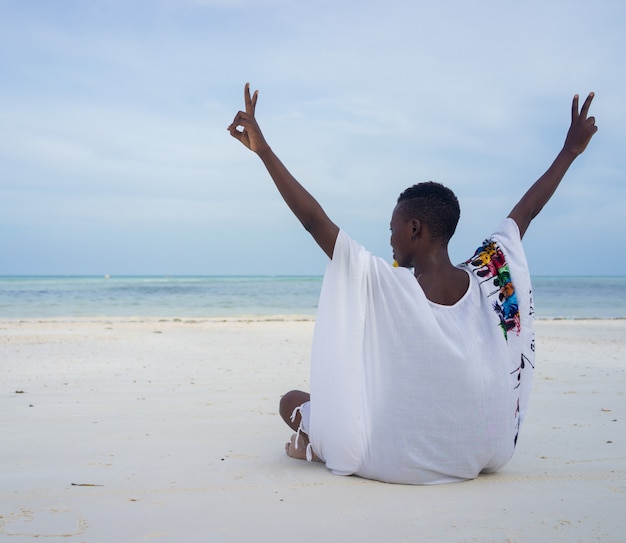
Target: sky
{"x":115,"y":158}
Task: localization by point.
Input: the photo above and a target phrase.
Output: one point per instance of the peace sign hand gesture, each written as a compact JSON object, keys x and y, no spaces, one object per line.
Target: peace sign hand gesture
{"x":582,"y":128}
{"x":250,"y":134}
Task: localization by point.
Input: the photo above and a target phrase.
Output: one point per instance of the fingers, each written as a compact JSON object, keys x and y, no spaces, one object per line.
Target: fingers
{"x":250,"y":102}
{"x":254,"y":99}
{"x":575,"y":108}
{"x":233,"y":127}
{"x":244,"y":120}
{"x":590,"y":122}
{"x":234,"y":132}
{"x":585,"y":108}
{"x":246,"y":97}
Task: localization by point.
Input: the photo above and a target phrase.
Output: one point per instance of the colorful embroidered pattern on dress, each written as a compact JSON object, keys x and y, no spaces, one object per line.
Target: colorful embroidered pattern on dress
{"x":490,"y":265}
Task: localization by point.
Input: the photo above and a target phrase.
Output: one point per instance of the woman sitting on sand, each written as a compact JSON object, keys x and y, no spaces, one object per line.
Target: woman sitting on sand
{"x":420,"y":373}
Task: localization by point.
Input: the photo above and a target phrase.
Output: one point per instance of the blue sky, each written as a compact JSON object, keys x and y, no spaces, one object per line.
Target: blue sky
{"x":115,"y":159}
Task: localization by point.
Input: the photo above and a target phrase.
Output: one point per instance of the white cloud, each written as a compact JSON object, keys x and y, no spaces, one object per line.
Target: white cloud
{"x":117,"y":111}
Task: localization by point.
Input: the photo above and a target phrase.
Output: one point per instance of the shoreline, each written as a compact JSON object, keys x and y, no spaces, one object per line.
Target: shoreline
{"x":279,"y":317}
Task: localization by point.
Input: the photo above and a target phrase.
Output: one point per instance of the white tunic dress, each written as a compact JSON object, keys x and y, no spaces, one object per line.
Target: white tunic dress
{"x":407,"y":391}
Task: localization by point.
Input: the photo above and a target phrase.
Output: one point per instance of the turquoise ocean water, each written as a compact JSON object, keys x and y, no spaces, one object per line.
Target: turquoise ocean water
{"x":184,"y":297}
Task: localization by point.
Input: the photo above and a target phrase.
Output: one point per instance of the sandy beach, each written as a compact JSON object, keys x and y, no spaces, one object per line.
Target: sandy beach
{"x":131,"y":430}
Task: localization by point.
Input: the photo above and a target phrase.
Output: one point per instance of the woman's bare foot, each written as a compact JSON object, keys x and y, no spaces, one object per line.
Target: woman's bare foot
{"x":299,"y":451}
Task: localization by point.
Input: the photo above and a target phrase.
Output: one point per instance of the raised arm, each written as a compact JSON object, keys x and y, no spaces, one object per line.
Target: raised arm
{"x":304,"y":206}
{"x":580,"y":132}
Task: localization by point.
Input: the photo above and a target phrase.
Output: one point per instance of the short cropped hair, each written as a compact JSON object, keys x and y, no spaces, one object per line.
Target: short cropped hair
{"x":434,"y":204}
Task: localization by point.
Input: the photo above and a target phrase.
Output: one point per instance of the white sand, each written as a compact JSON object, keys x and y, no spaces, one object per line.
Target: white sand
{"x":176,"y":423}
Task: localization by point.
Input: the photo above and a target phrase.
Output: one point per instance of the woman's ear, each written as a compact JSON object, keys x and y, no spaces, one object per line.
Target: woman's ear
{"x":416,"y":229}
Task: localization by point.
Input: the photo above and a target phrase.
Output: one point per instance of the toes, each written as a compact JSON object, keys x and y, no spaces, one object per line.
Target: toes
{"x":296,"y":448}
